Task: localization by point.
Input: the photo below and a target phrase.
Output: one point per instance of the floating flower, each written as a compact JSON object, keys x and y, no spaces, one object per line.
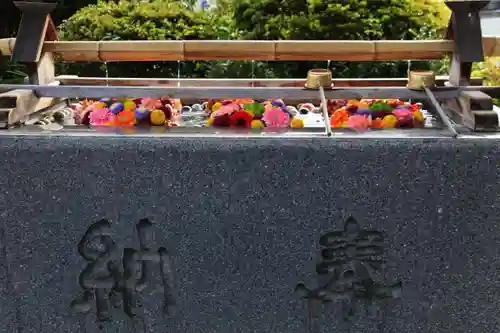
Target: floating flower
{"x":413,"y":107}
{"x":242,"y":101}
{"x":99,"y":117}
{"x":297,"y":123}
{"x":85,"y":104}
{"x":419,"y":116}
{"x":404,"y":117}
{"x":339,"y":117}
{"x":358,"y":122}
{"x":151,"y":103}
{"x":257,"y":109}
{"x":380,"y":106}
{"x":142,"y":113}
{"x":257,"y":124}
{"x":215,"y":106}
{"x":165,"y":101}
{"x":389,"y":121}
{"x":129,"y":105}
{"x":394,"y":102}
{"x":275,"y":117}
{"x":227,"y":109}
{"x":111,"y":120}
{"x":222,"y":121}
{"x":308,"y":106}
{"x":209,"y":122}
{"x":157,"y":117}
{"x":106,"y":101}
{"x":334,"y":104}
{"x":241,"y":119}
{"x":168,"y":110}
{"x":125,"y":118}
{"x":95,"y":106}
{"x":277,"y":103}
{"x":377,"y":123}
{"x":83,"y":118}
{"x":364,"y":112}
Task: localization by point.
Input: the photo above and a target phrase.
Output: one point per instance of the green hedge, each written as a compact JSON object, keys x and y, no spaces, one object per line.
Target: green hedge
{"x":248,"y":19}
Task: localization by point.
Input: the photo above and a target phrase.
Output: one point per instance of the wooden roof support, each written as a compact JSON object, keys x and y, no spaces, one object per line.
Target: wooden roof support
{"x":35,"y":29}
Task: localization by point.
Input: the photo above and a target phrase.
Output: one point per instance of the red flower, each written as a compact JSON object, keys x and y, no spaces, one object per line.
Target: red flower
{"x":222,"y":121}
{"x":241,"y":119}
{"x":167,"y":110}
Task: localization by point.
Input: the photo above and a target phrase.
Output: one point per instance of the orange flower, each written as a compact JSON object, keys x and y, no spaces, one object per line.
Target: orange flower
{"x":244,"y":101}
{"x":377,"y":123}
{"x":339,"y":117}
{"x":125,"y":118}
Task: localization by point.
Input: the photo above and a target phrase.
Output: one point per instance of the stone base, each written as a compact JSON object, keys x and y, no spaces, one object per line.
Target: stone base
{"x":236,"y":229}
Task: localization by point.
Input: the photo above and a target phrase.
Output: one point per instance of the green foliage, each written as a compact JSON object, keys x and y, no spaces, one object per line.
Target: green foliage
{"x":256,"y":19}
{"x":152,"y":20}
{"x":344,"y":20}
{"x":11,"y":73}
{"x":489,"y":70}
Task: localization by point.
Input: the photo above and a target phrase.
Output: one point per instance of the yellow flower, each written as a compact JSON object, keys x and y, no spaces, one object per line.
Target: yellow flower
{"x":216,"y":106}
{"x":389,"y":121}
{"x":418,"y":116}
{"x":157,"y":117}
{"x":297,"y":123}
{"x":129,"y":105}
{"x":209,"y":122}
{"x":257,"y":124}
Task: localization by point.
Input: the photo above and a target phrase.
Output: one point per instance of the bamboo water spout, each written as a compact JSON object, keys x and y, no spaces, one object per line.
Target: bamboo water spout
{"x":167,"y":50}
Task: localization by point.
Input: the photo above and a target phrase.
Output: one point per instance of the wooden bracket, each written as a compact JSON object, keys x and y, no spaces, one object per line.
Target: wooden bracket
{"x":465,"y":30}
{"x":35,"y":28}
{"x":475,"y":108}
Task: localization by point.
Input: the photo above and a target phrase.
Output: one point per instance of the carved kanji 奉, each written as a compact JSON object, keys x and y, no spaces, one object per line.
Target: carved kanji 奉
{"x":349,"y":259}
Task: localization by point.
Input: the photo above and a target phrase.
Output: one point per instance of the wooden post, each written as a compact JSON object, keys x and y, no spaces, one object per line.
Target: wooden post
{"x":475,"y":108}
{"x":35,"y":28}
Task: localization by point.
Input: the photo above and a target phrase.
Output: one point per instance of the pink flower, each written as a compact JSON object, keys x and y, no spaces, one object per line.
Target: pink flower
{"x":275,"y":117}
{"x":100,"y":117}
{"x":151,"y":103}
{"x":227,"y":109}
{"x":358,"y":122}
{"x":403,"y":115}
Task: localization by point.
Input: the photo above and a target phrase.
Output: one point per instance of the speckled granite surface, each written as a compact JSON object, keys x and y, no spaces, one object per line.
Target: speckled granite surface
{"x":241,"y":221}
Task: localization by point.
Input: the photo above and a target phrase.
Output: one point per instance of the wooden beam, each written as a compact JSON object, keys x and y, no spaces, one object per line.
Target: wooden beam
{"x":74,"y":80}
{"x":442,"y":93}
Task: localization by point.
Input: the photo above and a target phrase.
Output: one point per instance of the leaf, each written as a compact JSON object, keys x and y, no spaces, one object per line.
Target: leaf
{"x":256,"y":108}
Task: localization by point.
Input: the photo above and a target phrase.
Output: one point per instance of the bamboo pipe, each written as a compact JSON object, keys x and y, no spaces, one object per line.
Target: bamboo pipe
{"x":167,"y":50}
{"x":249,"y":50}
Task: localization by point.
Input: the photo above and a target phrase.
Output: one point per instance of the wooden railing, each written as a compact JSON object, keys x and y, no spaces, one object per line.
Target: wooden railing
{"x":166,"y":50}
